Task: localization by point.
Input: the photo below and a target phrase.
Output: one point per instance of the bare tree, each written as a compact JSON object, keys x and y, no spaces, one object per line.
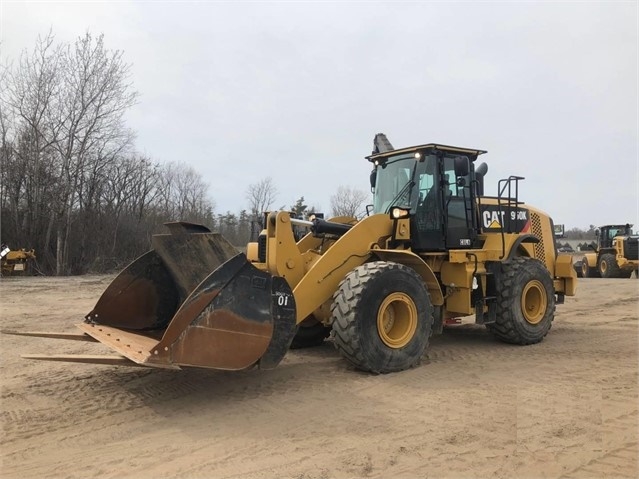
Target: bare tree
{"x":127,"y":189}
{"x":71,"y":184}
{"x":182,"y":194}
{"x":191,"y":195}
{"x":28,"y":96}
{"x":261,"y":196}
{"x":95,"y":96}
{"x":348,"y":201}
{"x":66,"y":105}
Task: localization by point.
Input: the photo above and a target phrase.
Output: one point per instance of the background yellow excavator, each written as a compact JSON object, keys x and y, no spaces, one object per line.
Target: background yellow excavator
{"x":432,"y":247}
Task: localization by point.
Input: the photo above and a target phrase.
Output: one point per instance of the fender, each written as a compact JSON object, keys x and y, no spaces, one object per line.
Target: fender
{"x":351,"y":250}
{"x":522,"y":239}
{"x":409,"y":258}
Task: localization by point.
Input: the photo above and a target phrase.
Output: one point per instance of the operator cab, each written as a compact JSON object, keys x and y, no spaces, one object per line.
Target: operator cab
{"x":607,"y":234}
{"x":438,"y":185}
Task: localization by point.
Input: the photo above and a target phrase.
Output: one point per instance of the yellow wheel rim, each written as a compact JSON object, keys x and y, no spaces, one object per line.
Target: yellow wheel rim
{"x":603,"y":266}
{"x":534,"y":302}
{"x":584,"y":268}
{"x":397,"y":320}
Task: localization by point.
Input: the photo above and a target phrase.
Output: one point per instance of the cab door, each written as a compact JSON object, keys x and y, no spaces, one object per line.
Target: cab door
{"x":427,"y":227}
{"x":457,"y":206}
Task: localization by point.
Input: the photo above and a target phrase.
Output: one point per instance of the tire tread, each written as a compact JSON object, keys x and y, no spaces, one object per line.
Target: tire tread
{"x":505,"y":327}
{"x":345,"y":300}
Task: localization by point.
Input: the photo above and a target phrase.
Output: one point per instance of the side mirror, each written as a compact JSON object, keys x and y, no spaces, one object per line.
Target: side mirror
{"x":373,"y":178}
{"x":462,"y":166}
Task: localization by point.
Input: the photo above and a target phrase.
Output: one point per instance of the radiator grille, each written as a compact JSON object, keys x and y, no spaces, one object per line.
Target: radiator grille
{"x":540,"y":250}
{"x":631,"y":248}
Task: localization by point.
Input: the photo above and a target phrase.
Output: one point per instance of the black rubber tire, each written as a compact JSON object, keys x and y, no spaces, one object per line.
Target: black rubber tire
{"x":511,"y":325}
{"x":356,"y":304}
{"x":310,"y":333}
{"x":582,"y":269}
{"x":585,"y":271}
{"x":608,"y":267}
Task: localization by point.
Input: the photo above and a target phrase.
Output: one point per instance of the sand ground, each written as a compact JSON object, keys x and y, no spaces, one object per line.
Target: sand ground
{"x":567,"y":407}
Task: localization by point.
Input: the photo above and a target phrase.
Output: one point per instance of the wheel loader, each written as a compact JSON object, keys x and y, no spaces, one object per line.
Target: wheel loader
{"x":432,"y":247}
{"x":15,"y":262}
{"x":616,"y":254}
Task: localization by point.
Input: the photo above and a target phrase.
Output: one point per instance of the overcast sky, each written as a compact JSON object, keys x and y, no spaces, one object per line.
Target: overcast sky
{"x":297,"y":91}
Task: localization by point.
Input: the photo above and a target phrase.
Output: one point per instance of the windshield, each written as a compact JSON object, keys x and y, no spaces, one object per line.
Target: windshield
{"x":407,"y":183}
{"x":393,"y":183}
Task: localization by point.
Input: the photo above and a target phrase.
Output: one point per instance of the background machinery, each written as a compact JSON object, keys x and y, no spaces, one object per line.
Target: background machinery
{"x":432,"y":247}
{"x":16,"y":262}
{"x":616,"y":254}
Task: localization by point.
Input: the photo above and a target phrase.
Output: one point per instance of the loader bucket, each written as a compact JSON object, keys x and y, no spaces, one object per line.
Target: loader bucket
{"x":193,"y":300}
{"x":148,"y":292}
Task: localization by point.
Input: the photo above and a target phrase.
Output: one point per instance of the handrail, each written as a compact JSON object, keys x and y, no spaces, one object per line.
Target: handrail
{"x":501,"y":188}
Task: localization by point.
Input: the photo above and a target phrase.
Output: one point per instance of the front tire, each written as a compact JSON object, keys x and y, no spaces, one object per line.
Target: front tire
{"x":608,"y":267}
{"x":382,"y":317}
{"x":525,"y":302}
{"x":585,"y":269}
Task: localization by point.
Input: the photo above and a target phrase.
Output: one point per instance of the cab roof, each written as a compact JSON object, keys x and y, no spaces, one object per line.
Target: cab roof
{"x":430,"y":147}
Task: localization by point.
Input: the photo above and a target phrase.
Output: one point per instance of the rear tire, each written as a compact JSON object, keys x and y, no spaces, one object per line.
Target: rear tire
{"x":608,"y":267}
{"x":525,"y":302}
{"x":382,"y":317}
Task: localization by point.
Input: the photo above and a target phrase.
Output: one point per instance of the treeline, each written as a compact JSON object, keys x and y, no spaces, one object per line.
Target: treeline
{"x":579,"y":233}
{"x":72,"y":185}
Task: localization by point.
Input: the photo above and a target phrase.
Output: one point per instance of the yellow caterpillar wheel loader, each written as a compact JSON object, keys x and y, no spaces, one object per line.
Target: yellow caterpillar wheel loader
{"x":432,"y":247}
{"x":16,"y":262}
{"x":615,"y":256}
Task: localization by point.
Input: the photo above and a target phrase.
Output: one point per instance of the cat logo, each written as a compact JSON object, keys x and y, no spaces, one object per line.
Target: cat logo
{"x":493,"y":218}
{"x":507,"y":218}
